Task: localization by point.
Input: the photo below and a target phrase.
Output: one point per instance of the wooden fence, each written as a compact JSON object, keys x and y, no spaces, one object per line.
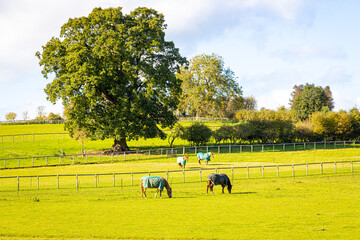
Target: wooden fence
{"x":17,"y":183}
{"x":37,"y":161}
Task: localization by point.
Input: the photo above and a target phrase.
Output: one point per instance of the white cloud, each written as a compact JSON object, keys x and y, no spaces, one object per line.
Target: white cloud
{"x":307,"y":51}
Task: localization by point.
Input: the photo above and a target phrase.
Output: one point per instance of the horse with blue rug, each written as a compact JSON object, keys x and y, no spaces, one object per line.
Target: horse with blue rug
{"x":218,"y":179}
{"x":154,"y":182}
{"x":205,"y":157}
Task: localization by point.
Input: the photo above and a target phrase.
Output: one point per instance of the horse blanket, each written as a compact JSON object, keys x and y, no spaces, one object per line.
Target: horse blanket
{"x":218,"y":179}
{"x":181,"y":161}
{"x":153,"y":182}
{"x":205,"y":157}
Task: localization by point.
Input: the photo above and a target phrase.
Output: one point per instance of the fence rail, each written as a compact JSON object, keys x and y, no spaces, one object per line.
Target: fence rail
{"x":17,"y":183}
{"x":38,"y":161}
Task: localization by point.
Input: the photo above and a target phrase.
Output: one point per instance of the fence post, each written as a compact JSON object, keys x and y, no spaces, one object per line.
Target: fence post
{"x":262,"y":148}
{"x":207,"y":148}
{"x":18,"y":183}
{"x":219,"y":149}
{"x":252,"y":148}
{"x":132,"y":179}
{"x":321,"y":164}
{"x":352,"y":167}
{"x":96,"y":180}
{"x":263,"y":171}
{"x":4,"y":163}
{"x":307,"y":169}
{"x":230,"y":148}
{"x":248,"y":175}
{"x":114,"y":180}
{"x":183,"y":150}
{"x":167,"y":175}
{"x":77,"y":182}
{"x":278,"y":174}
{"x":335,"y":166}
{"x":304,"y":145}
{"x":73,"y":159}
{"x":294,"y":147}
{"x":195,"y":150}
{"x":283,"y":146}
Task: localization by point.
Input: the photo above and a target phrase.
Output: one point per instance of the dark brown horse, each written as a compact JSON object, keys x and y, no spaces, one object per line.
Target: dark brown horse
{"x":154,"y":182}
{"x":218,"y":179}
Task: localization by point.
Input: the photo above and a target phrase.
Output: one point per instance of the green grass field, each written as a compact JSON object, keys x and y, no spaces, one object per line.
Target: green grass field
{"x":321,"y":205}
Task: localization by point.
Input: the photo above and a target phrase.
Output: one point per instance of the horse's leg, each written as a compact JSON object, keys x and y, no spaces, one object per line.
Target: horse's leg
{"x":142,"y":189}
{"x":212,"y":189}
{"x":223,"y":186}
{"x":199,"y":162}
{"x":207,"y":187}
{"x":180,"y":165}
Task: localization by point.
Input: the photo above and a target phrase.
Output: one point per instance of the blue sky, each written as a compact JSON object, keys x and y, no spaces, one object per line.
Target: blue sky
{"x":271,"y":45}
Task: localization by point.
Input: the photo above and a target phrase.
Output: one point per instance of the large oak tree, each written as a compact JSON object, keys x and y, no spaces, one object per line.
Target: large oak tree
{"x":115,"y":74}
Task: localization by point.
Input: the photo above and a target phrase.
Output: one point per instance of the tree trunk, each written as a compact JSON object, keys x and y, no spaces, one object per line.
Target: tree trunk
{"x":120,"y":146}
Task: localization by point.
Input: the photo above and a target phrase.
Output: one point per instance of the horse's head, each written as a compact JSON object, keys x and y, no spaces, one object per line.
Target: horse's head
{"x":229,"y":187}
{"x":169,"y":192}
{"x":186,"y":157}
{"x":211,"y":154}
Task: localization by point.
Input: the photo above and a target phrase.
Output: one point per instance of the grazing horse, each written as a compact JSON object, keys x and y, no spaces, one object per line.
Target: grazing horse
{"x":154,"y":182}
{"x":205,"y":157}
{"x":218,"y":179}
{"x":181,"y":161}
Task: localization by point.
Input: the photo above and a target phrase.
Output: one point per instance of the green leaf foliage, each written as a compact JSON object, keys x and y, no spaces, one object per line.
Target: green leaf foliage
{"x":115,"y":73}
{"x":207,"y":87}
{"x":309,"y":99}
{"x":197,"y":134}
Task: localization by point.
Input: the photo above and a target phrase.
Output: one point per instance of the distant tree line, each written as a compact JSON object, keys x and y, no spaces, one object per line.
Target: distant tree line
{"x":269,"y":126}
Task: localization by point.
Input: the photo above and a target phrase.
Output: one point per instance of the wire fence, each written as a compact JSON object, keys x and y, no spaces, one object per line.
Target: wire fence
{"x":68,"y":181}
{"x":152,"y":154}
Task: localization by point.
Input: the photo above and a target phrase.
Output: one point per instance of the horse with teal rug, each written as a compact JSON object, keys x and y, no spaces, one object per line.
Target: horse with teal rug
{"x":154,"y":182}
{"x":218,"y":179}
{"x":205,"y":157}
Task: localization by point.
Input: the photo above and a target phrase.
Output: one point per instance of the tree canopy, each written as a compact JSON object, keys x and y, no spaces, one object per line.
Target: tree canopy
{"x":308,"y":99}
{"x":115,"y":74}
{"x":208,"y":87}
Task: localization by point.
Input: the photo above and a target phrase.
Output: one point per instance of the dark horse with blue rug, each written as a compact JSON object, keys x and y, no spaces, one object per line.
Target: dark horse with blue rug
{"x":218,"y":179}
{"x":154,"y":182}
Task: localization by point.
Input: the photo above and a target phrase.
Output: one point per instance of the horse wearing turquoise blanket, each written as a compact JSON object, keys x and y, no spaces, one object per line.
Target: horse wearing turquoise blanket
{"x":154,"y":182}
{"x":205,"y":157}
